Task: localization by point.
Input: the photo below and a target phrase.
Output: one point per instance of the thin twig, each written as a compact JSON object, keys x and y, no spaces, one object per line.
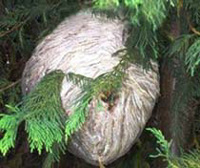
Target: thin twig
{"x":15,"y":27}
{"x":9,"y":86}
{"x":193,"y":29}
{"x":180,"y":6}
{"x":11,"y":30}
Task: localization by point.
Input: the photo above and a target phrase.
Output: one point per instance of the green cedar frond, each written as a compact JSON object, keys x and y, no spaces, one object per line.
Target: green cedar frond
{"x":39,"y":12}
{"x":76,"y":120}
{"x":102,"y":4}
{"x":154,"y":11}
{"x":172,"y":2}
{"x":78,"y":79}
{"x":193,"y":56}
{"x":146,"y":17}
{"x":180,"y":45}
{"x":8,"y":123}
{"x":145,"y":41}
{"x":22,"y":13}
{"x":4,"y":82}
{"x":182,"y":96}
{"x":186,"y":86}
{"x":43,"y":115}
{"x":190,"y":159}
{"x":164,"y":149}
{"x":108,"y":82}
{"x":111,"y":81}
{"x":193,"y":8}
{"x":54,"y":156}
{"x":186,"y":160}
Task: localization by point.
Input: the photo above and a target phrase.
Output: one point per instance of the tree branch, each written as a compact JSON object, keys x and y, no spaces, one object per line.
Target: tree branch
{"x":193,"y":29}
{"x":9,"y":86}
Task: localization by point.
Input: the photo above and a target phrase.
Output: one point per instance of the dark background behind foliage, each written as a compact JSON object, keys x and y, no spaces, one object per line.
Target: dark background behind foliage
{"x":23,"y":23}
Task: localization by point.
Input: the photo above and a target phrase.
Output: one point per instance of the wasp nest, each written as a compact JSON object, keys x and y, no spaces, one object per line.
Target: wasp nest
{"x":84,"y":44}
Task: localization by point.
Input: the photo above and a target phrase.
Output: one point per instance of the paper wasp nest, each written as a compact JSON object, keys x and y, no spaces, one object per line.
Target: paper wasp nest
{"x":84,"y":44}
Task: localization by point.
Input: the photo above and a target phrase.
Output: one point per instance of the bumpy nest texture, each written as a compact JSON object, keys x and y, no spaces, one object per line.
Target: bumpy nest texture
{"x":84,"y":44}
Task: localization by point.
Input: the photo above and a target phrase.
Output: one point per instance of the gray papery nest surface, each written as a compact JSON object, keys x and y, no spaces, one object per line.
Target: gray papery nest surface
{"x":84,"y":44}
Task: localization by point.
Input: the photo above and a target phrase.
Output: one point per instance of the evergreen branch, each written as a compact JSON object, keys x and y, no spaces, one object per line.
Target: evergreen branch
{"x":182,"y":97}
{"x":193,"y":10}
{"x":45,"y":123}
{"x":180,"y":45}
{"x":193,"y":29}
{"x":173,"y":3}
{"x":76,"y":120}
{"x":186,"y":160}
{"x":105,"y":84}
{"x":145,"y":41}
{"x":164,"y":150}
{"x":154,"y":12}
{"x":10,"y":85}
{"x":9,"y":123}
{"x":192,"y":59}
{"x":43,"y":115}
{"x":54,"y":156}
{"x":16,"y":27}
{"x":190,"y":159}
{"x":185,"y":87}
{"x":20,"y":15}
{"x":78,"y":79}
{"x":145,"y":17}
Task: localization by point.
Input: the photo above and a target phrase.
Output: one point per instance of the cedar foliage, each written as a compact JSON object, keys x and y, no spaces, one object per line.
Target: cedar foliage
{"x":162,"y":30}
{"x":185,"y":160}
{"x":44,"y":126}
